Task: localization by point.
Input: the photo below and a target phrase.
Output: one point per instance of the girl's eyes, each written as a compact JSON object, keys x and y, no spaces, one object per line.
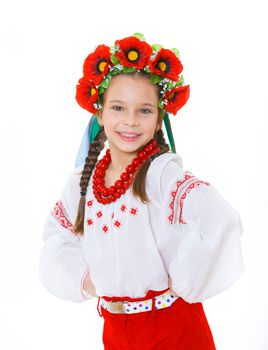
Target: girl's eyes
{"x":148,"y":111}
{"x":117,"y":108}
{"x":144,"y":110}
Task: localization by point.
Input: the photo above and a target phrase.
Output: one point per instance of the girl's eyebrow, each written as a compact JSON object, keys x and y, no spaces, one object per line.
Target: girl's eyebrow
{"x":143,"y":104}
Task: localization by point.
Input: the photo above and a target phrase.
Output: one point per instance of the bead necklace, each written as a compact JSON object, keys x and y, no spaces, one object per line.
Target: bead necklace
{"x":106,"y":195}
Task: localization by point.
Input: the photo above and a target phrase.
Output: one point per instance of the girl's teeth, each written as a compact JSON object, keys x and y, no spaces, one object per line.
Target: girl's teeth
{"x":129,"y":135}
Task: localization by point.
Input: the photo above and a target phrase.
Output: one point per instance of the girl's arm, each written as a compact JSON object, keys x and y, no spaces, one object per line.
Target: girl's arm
{"x":209,"y":257}
{"x":63,"y":269}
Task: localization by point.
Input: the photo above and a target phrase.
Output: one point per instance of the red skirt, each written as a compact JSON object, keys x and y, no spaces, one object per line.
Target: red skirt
{"x":181,"y":326}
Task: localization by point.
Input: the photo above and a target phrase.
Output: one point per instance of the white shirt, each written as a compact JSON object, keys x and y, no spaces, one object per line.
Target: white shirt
{"x":187,"y":231}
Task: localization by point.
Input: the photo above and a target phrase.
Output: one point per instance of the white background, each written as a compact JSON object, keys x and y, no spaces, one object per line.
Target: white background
{"x":220,"y":135}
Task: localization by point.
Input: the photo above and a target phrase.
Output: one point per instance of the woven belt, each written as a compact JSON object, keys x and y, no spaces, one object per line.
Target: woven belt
{"x":132,"y":307}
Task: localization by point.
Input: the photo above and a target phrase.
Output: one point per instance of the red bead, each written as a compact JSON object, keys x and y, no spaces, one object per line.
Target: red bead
{"x":124,"y":176}
{"x":117,"y":195}
{"x":121,"y":190}
{"x":102,"y":166}
{"x":130,"y":168}
{"x":118,"y":184}
{"x":111,"y":189}
{"x":106,"y":159}
{"x":136,"y":161}
{"x":104,"y":192}
{"x":126,"y":184}
{"x":148,"y":149}
{"x":141,"y":155}
{"x":99,"y":181}
{"x":100,"y":173}
{"x":99,"y":188}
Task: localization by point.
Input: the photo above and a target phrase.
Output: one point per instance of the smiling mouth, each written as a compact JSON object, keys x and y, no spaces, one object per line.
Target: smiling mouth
{"x":128,"y":136}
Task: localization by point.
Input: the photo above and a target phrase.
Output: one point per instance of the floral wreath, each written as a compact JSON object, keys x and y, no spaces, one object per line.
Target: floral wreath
{"x":129,"y":55}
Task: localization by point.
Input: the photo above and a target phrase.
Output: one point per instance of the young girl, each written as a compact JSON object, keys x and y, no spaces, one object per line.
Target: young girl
{"x":149,"y":239}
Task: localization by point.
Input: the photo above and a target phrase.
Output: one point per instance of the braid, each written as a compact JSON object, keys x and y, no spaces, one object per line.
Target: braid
{"x":139,"y":180}
{"x":163,"y":145}
{"x":95,"y":149}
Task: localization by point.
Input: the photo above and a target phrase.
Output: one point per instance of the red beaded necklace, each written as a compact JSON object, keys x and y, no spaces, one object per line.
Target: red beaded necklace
{"x":106,"y":195}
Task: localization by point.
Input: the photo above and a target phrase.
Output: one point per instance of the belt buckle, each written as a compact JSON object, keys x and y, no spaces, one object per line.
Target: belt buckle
{"x":117,"y":307}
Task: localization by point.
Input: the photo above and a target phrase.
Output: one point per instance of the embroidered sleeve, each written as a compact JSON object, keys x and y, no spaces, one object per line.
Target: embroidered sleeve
{"x":59,"y":213}
{"x":178,"y":193}
{"x":63,"y":267}
{"x":208,"y":257}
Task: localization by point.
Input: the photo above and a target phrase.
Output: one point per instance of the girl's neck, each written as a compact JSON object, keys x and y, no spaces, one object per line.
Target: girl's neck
{"x":119,"y":162}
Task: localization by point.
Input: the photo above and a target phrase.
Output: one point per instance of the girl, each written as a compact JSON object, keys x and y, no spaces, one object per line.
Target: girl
{"x":149,"y":239}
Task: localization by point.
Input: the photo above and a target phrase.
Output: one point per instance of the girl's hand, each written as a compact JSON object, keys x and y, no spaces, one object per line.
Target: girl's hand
{"x":89,"y":286}
{"x":170,"y":287}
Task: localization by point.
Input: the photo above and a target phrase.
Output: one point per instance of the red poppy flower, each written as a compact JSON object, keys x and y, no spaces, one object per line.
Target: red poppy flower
{"x":134,"y":52}
{"x":167,"y":64}
{"x":176,"y":98}
{"x":96,"y":64}
{"x":86,"y":94}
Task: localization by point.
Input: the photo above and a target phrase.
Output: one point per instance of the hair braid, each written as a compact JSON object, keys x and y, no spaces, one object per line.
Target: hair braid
{"x":139,"y":189}
{"x":95,"y":149}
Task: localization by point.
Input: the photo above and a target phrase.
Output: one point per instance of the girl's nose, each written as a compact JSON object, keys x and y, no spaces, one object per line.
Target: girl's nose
{"x":131,"y":119}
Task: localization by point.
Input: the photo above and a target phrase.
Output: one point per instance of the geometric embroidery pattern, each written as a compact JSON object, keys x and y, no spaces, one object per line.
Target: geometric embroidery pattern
{"x":60,"y":214}
{"x":178,"y":195}
{"x":115,"y":222}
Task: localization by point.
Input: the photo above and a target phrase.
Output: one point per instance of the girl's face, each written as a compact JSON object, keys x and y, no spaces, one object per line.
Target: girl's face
{"x":130,"y":105}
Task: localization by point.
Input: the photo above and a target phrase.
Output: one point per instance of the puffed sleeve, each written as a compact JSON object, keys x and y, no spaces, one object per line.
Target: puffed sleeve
{"x":62,"y":265}
{"x":209,"y":256}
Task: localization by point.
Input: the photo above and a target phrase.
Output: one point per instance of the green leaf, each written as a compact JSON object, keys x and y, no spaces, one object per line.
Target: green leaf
{"x":114,"y":59}
{"x":156,"y":47}
{"x":104,"y":84}
{"x":139,"y":36}
{"x":181,"y":81}
{"x":155,"y":78}
{"x":159,"y":103}
{"x":128,"y":69}
{"x":101,"y":90}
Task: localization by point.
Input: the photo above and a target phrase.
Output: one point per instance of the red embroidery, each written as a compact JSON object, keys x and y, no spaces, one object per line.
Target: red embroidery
{"x":90,"y":221}
{"x":182,"y":189}
{"x":123,"y":207}
{"x":89,"y":203}
{"x":99,"y":214}
{"x":59,"y":212}
{"x":133,"y":211}
{"x":117,"y":223}
{"x":105,"y":228}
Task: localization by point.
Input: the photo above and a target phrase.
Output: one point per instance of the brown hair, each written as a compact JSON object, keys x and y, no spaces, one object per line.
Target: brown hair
{"x":138,"y":186}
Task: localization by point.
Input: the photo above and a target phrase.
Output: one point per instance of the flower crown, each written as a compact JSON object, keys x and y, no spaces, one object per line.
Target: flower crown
{"x":129,"y":55}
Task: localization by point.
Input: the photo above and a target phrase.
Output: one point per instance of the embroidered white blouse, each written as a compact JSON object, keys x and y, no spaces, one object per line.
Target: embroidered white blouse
{"x":187,"y":231}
